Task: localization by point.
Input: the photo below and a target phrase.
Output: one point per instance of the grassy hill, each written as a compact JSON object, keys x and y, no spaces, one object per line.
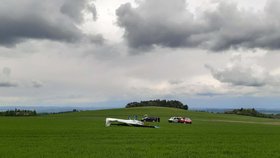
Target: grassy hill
{"x":82,"y":134}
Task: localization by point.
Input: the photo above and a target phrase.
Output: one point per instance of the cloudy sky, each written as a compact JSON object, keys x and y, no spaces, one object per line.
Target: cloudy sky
{"x":207,"y":53}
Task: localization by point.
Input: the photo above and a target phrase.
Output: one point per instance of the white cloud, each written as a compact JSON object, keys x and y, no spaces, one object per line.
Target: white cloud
{"x":5,"y":79}
{"x":244,"y":70}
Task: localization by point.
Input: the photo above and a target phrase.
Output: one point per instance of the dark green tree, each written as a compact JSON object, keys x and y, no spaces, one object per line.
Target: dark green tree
{"x":159,"y":103}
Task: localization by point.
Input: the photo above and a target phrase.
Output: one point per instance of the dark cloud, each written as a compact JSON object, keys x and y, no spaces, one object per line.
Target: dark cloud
{"x":31,"y":19}
{"x":150,"y":25}
{"x":37,"y":84}
{"x":92,"y":9}
{"x":172,"y":25}
{"x":74,"y":8}
{"x":13,"y":31}
{"x":175,"y":82}
{"x":209,"y":94}
{"x":8,"y":84}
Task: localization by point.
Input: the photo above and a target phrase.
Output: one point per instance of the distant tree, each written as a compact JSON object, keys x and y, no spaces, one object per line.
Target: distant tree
{"x":18,"y":112}
{"x":186,"y":107}
{"x":160,"y":103}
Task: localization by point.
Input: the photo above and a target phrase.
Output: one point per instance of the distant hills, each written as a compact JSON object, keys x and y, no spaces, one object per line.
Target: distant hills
{"x":252,"y":112}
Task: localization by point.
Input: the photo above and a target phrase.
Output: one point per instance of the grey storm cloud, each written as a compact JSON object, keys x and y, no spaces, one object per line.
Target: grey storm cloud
{"x":37,"y":84}
{"x":73,"y":8}
{"x":8,"y":84}
{"x":169,"y":24}
{"x":32,"y":19}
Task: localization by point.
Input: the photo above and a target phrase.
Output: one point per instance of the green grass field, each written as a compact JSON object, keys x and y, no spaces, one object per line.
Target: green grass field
{"x":83,"y":135}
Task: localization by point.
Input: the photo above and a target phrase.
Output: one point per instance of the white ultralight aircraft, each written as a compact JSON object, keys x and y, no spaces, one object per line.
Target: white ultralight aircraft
{"x":136,"y":123}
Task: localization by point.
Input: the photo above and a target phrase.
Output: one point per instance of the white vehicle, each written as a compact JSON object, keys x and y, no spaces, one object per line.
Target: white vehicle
{"x":174,"y":119}
{"x":180,"y":120}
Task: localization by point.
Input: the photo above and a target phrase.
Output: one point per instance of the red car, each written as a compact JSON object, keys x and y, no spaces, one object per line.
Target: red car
{"x":180,"y":120}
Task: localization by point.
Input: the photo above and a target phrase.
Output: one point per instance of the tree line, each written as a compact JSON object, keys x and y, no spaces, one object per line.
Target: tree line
{"x":160,"y":103}
{"x":18,"y":112}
